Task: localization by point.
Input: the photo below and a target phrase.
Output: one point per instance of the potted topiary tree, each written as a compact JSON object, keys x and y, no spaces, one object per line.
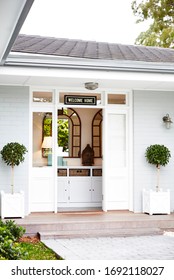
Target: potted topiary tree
{"x":158,"y":201}
{"x":159,"y":155}
{"x":12,"y":204}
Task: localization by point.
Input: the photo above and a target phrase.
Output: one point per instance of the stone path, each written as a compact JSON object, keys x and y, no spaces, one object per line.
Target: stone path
{"x":157,"y":247}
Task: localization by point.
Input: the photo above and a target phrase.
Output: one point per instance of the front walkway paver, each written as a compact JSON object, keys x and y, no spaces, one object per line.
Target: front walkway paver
{"x":157,"y":247}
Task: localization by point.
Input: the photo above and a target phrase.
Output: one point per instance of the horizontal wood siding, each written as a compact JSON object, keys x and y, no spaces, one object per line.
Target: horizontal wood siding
{"x":14,"y":127}
{"x":149,"y":108}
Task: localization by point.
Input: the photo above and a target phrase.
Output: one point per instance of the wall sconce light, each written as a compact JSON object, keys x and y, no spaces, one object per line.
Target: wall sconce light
{"x":167,"y":120}
{"x":91,"y":85}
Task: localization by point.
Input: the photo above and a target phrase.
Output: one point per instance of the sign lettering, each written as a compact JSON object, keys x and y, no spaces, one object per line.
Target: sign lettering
{"x":80,"y":100}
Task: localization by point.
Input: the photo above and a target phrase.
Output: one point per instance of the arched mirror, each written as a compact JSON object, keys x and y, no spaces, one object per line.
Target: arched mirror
{"x":97,"y":134}
{"x":69,"y":132}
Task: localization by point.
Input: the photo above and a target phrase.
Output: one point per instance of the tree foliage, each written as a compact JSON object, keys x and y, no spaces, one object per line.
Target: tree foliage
{"x":13,"y":153}
{"x":63,"y":134}
{"x":161,"y":15}
{"x":47,"y":127}
{"x":63,"y":131}
{"x":157,"y":155}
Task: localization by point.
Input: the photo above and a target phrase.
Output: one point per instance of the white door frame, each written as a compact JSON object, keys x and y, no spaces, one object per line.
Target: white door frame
{"x":117,"y":110}
{"x":53,"y":107}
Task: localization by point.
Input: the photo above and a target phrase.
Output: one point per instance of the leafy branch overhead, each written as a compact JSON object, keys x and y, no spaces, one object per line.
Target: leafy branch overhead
{"x":161,"y":15}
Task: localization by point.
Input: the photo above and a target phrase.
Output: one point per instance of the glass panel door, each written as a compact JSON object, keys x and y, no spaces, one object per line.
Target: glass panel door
{"x":42,"y":139}
{"x":116,"y":160}
{"x":42,"y":177}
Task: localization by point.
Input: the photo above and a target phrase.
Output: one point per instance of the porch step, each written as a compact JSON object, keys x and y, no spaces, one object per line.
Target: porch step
{"x":107,"y":227}
{"x":98,"y":233}
{"x":95,"y":224}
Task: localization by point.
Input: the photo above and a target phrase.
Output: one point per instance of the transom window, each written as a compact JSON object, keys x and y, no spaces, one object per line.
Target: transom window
{"x":119,"y":99}
{"x":42,"y":97}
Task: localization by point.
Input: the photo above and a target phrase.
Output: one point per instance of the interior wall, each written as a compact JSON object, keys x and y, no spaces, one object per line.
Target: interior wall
{"x":149,"y":107}
{"x":86,"y":117}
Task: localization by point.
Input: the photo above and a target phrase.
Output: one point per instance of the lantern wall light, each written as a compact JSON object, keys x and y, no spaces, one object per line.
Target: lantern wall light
{"x":167,"y":121}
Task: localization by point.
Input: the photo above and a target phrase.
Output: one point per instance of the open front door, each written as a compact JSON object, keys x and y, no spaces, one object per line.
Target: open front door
{"x":116,"y":171}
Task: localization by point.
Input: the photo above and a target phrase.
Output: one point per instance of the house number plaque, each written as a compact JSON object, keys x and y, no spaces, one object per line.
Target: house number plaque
{"x":80,"y":100}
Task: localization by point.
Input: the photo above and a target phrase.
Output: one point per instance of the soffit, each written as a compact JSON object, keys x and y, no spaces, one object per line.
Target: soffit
{"x":74,"y":79}
{"x":12,"y":16}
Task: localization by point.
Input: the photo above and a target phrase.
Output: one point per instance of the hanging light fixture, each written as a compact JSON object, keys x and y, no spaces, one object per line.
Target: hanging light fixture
{"x":167,"y":120}
{"x":91,"y":85}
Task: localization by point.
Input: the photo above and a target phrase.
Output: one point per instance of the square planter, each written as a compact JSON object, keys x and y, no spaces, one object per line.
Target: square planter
{"x":156,"y":202}
{"x":12,"y":205}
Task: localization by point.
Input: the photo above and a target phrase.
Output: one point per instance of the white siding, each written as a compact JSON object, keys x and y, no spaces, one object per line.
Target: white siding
{"x":14,"y":127}
{"x":149,"y":108}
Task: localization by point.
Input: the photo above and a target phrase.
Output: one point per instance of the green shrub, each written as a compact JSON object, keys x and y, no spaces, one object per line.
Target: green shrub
{"x":9,"y":234}
{"x":16,"y":231}
{"x":10,"y":250}
{"x":5,"y":233}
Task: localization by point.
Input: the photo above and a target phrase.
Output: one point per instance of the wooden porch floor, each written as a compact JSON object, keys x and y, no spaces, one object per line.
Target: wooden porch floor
{"x":95,"y":223}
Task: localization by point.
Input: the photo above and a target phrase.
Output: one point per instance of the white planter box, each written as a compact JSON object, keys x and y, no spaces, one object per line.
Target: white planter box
{"x":12,"y":205}
{"x":156,"y":202}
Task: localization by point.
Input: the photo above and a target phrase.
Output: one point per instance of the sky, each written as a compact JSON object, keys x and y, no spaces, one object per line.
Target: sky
{"x":94,"y":20}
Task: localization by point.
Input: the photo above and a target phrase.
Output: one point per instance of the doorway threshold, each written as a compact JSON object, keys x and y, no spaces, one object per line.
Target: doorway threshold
{"x":79,"y":209}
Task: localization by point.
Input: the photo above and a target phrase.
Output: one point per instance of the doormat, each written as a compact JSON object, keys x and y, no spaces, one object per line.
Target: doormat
{"x":80,"y":211}
{"x":83,"y":212}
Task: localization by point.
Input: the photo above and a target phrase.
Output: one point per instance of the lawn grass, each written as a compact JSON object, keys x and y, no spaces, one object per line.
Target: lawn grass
{"x":35,"y":250}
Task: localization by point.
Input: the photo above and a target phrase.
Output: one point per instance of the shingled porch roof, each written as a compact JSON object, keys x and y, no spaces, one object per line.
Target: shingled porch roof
{"x":60,"y":47}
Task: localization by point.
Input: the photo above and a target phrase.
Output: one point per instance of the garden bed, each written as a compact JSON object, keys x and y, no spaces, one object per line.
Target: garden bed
{"x":36,"y":250}
{"x":14,"y":245}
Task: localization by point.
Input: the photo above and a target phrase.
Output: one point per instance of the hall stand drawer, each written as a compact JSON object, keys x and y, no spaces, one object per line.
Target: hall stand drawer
{"x":79,"y":172}
{"x":97,"y":172}
{"x":62,"y":172}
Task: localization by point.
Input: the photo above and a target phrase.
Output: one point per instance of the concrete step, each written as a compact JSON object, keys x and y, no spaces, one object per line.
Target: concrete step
{"x":102,"y":233}
{"x":97,"y":226}
{"x":113,"y":223}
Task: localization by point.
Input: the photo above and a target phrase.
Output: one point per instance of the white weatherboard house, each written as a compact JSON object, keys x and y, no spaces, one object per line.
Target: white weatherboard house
{"x":42,"y":85}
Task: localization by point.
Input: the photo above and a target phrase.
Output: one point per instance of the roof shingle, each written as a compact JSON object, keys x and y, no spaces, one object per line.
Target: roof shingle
{"x":90,"y":49}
